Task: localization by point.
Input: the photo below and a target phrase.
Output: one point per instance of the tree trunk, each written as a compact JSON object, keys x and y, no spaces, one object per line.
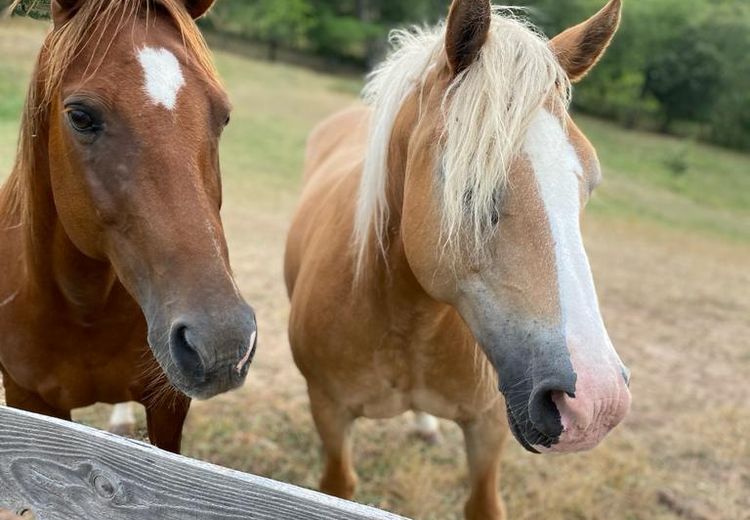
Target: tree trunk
{"x":273,"y":50}
{"x":666,"y":124}
{"x":364,"y":11}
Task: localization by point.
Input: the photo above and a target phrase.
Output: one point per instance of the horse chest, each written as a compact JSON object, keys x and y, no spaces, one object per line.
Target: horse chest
{"x":71,"y":366}
{"x":393,"y":368}
{"x":398,"y":380}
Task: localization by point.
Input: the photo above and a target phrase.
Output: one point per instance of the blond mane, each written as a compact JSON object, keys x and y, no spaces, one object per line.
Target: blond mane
{"x":486,"y":112}
{"x":61,"y":47}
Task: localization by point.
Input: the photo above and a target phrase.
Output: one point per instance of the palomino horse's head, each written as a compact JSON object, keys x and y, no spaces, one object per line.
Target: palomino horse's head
{"x":496,"y":179}
{"x":135,"y":113}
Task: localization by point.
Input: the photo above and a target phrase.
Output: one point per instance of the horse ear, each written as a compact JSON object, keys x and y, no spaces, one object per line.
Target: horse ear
{"x":198,"y":8}
{"x":468,"y":26}
{"x":579,"y":48}
{"x":63,"y":10}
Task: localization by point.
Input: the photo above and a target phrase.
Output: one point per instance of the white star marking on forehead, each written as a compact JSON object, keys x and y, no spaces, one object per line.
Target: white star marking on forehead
{"x":163,"y":76}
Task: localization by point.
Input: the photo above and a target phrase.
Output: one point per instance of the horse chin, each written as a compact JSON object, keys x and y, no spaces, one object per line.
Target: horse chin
{"x":199,"y":394}
{"x":204,"y":390}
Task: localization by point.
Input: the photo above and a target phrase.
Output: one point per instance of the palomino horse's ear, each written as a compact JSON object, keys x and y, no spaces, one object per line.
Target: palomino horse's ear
{"x":467,"y":30}
{"x":198,"y":8}
{"x":63,"y":10}
{"x":579,"y":48}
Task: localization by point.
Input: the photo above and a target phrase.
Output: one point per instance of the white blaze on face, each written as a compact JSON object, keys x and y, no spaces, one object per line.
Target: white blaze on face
{"x":559,"y":175}
{"x":163,"y":75}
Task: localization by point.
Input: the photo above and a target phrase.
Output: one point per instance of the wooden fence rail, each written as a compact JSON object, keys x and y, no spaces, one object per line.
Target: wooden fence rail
{"x":65,"y":471}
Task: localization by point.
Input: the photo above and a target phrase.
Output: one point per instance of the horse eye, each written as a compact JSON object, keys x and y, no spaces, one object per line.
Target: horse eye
{"x":81,"y":121}
{"x":227,"y":120}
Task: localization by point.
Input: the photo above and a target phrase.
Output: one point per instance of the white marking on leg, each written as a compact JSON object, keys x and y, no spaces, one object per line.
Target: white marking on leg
{"x":425,"y":423}
{"x":427,"y":427}
{"x":122,"y":415}
{"x":164,"y":77}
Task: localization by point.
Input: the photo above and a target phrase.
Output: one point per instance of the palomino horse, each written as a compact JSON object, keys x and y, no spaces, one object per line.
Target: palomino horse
{"x":110,"y":235}
{"x":443,"y":223}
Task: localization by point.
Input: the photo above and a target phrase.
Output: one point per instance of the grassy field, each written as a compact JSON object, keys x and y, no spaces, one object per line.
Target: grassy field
{"x":669,"y":238}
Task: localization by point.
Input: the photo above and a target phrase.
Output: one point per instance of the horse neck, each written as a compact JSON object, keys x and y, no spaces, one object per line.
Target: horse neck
{"x":394,"y":293}
{"x":388,"y":275}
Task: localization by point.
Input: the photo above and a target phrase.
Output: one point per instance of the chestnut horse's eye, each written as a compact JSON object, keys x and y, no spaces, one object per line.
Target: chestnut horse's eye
{"x":81,"y":121}
{"x":227,"y":120}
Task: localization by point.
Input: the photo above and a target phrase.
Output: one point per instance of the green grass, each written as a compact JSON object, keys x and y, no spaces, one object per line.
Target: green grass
{"x":711,"y":196}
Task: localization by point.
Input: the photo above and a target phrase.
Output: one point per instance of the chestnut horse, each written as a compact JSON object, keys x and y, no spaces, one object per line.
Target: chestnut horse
{"x":115,"y":283}
{"x":437,"y":250}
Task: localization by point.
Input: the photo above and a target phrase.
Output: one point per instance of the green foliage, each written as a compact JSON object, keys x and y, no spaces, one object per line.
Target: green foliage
{"x":277,"y":23}
{"x":281,"y":21}
{"x":677,"y":160}
{"x":32,"y":8}
{"x":685,"y":77}
{"x":728,"y":29}
{"x":675,"y":65}
{"x":344,"y":37}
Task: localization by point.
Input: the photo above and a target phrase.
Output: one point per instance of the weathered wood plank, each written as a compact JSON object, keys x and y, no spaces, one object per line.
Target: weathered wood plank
{"x":64,"y":471}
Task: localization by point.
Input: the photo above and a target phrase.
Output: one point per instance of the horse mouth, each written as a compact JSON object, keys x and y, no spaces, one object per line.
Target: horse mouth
{"x":217,"y":383}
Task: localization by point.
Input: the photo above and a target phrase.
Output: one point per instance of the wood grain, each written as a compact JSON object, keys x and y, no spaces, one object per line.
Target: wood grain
{"x":64,"y":471}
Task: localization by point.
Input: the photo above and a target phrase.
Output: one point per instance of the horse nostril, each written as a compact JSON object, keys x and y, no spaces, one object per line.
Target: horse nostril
{"x":185,"y":355}
{"x":543,"y":412}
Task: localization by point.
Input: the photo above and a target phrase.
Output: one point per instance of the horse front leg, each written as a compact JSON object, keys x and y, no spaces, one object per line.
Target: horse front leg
{"x":165,"y":419}
{"x":334,"y":427}
{"x":485,"y":437}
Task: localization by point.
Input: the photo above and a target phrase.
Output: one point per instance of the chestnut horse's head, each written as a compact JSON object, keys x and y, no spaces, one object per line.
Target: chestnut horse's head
{"x":134,"y":113}
{"x":496,"y":179}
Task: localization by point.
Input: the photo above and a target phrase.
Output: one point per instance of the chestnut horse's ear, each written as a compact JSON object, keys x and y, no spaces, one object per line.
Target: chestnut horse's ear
{"x":468,"y":26}
{"x":198,"y":8}
{"x":63,"y":10}
{"x":579,"y":48}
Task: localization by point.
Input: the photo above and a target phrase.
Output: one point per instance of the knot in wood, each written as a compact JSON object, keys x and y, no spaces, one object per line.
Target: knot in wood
{"x":104,"y":487}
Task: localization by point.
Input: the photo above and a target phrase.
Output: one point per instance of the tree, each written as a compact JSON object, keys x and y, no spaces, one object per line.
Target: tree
{"x":728,"y":29}
{"x":31,"y":8}
{"x":685,"y":77}
{"x":275,"y":22}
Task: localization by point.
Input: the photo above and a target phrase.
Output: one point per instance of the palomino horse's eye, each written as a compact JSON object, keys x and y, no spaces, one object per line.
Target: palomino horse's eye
{"x":495,"y":212}
{"x":81,"y":121}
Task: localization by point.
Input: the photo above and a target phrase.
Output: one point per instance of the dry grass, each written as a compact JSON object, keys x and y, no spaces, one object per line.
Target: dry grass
{"x":677,"y":302}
